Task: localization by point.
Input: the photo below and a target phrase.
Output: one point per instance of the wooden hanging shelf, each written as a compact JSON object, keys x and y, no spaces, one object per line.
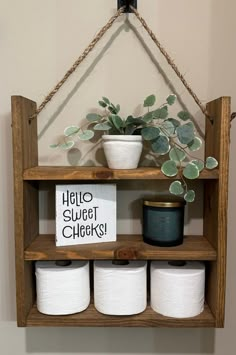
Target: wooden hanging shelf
{"x":31,"y":246}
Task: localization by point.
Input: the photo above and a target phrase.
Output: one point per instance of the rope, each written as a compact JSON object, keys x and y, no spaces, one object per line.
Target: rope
{"x":171,"y":62}
{"x":78,"y":61}
{"x":97,"y":39}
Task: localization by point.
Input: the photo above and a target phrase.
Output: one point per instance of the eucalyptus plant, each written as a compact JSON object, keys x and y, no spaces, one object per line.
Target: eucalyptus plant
{"x":175,"y":138}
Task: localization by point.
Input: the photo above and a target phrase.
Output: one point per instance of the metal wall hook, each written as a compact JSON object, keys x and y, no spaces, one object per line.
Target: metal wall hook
{"x":127,"y":4}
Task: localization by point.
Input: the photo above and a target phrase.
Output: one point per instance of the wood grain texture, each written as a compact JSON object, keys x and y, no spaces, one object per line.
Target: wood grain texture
{"x":25,"y":155}
{"x":126,"y":247}
{"x":216,"y":203}
{"x":92,"y":318}
{"x":102,"y":173}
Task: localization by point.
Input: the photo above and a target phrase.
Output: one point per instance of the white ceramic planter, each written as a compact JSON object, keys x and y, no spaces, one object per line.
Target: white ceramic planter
{"x":122,"y":152}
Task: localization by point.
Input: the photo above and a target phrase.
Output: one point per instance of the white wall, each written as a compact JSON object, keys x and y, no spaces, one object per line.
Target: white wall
{"x":39,"y":40}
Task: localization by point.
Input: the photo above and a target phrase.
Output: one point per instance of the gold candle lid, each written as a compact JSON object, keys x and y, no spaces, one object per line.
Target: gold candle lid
{"x":164,"y":202}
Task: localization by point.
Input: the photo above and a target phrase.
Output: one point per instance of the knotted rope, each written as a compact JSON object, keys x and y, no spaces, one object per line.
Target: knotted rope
{"x":97,"y":39}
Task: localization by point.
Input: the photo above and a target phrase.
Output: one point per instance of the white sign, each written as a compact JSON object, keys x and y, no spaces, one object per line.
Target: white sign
{"x":85,"y":214}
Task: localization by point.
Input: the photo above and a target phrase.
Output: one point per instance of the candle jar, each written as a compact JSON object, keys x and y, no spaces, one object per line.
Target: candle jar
{"x":163,"y":222}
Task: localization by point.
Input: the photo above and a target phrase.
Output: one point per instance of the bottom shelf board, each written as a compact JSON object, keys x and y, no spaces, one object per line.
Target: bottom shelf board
{"x":92,"y":318}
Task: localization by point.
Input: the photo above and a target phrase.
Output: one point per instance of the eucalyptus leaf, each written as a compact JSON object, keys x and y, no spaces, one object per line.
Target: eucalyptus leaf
{"x":102,"y":104}
{"x":168,"y":127}
{"x":150,"y":133}
{"x":161,"y":145}
{"x":149,"y":101}
{"x":184,"y":115}
{"x":106,"y":100}
{"x":191,"y":171}
{"x":102,"y":126}
{"x":175,"y":122}
{"x":171,"y":99}
{"x":93,"y":117}
{"x":169,"y":168}
{"x":71,"y":130}
{"x":134,"y":121}
{"x":199,"y":164}
{"x":211,"y":163}
{"x":67,"y":145}
{"x":54,"y":146}
{"x":195,"y":144}
{"x":161,"y":113}
{"x":148,"y":117}
{"x":177,"y":154}
{"x":189,"y":196}
{"x":176,"y":188}
{"x":185,"y":133}
{"x":86,"y":135}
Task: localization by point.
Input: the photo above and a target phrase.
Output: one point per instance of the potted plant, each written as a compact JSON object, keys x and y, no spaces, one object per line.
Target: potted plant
{"x":175,"y":138}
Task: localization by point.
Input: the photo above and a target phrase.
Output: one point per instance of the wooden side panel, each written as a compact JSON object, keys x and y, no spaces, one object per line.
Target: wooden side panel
{"x":25,"y":155}
{"x":216,"y":202}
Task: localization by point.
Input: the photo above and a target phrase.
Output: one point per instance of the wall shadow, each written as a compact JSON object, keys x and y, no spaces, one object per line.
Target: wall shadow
{"x":119,"y":341}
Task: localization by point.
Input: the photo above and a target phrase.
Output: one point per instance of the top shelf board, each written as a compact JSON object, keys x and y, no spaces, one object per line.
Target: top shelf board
{"x":102,"y":173}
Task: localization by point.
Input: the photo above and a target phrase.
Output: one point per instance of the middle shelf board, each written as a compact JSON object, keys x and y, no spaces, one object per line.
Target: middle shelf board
{"x":58,"y":173}
{"x":126,"y":247}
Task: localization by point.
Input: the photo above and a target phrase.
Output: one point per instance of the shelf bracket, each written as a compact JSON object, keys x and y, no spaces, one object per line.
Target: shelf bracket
{"x":127,"y":4}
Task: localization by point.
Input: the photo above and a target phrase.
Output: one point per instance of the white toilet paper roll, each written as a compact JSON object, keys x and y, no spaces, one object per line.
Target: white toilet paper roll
{"x":177,"y":291}
{"x":120,"y":289}
{"x":62,"y":289}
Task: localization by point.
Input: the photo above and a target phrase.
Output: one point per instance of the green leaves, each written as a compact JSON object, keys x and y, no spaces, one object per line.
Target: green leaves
{"x":185,"y":133}
{"x":189,"y":196}
{"x":195,"y":144}
{"x":102,"y":104}
{"x":169,"y":168}
{"x":67,"y":145}
{"x":71,"y":130}
{"x":199,"y":164}
{"x":177,"y":154}
{"x":117,"y":122}
{"x":161,"y":145}
{"x":149,"y":101}
{"x":176,"y":188}
{"x":85,"y":135}
{"x":106,"y":100}
{"x":102,"y":126}
{"x":211,"y":163}
{"x":117,"y":108}
{"x":175,"y":136}
{"x":150,"y":133}
{"x":168,"y":128}
{"x":175,"y":122}
{"x":184,"y":115}
{"x":171,"y":99}
{"x":191,"y":171}
{"x":93,"y":117}
{"x":148,"y":117}
{"x":161,"y":113}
